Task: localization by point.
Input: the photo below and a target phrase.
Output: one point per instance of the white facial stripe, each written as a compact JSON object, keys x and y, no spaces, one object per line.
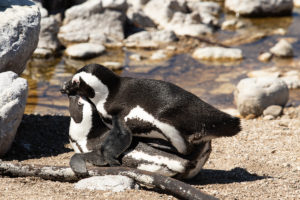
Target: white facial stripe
{"x":101,"y":90}
{"x":79,"y":131}
{"x":169,"y":131}
{"x":173,"y":165}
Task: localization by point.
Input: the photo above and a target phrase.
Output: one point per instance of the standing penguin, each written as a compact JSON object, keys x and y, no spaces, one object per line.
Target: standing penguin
{"x":146,"y":105}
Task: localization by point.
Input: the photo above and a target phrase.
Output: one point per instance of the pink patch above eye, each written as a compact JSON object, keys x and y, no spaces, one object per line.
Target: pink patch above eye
{"x":76,"y":80}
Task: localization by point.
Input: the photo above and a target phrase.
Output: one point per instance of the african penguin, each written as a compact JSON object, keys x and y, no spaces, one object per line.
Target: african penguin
{"x":87,"y":134}
{"x":91,"y":139}
{"x":146,"y":105}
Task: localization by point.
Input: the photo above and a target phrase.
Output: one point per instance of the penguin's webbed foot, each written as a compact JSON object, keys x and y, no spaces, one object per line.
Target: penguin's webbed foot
{"x":78,"y":165}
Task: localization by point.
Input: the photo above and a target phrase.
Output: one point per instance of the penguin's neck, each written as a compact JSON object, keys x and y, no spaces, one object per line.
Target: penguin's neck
{"x":99,"y":100}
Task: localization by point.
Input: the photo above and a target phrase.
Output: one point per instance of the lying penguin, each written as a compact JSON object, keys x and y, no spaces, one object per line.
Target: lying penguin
{"x":88,"y":133}
{"x":146,"y":105}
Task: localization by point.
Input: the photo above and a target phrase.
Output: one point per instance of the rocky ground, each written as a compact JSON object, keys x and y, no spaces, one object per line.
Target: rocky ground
{"x":261,"y":162}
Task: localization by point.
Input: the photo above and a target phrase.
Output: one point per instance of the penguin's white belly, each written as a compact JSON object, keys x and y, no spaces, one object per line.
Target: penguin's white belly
{"x":79,"y":132}
{"x":168,"y":130}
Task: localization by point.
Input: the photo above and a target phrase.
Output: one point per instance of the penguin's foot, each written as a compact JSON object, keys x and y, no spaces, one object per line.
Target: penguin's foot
{"x":77,"y":164}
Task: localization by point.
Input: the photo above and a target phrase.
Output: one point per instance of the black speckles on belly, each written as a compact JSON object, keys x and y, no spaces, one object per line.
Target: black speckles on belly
{"x":140,"y":126}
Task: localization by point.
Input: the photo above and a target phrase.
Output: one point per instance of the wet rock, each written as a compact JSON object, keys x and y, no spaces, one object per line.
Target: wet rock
{"x":136,"y":57}
{"x":114,"y":183}
{"x":158,"y":55}
{"x":270,"y":72}
{"x":113,"y":65}
{"x":265,"y":57}
{"x":260,"y":7}
{"x":273,"y":110}
{"x":232,"y":24}
{"x":20,"y":26}
{"x":42,"y":53}
{"x":92,"y":22}
{"x":13,"y":92}
{"x":162,"y":36}
{"x":253,"y":95}
{"x":218,"y":53}
{"x":48,"y":36}
{"x":84,"y":50}
{"x":282,"y":49}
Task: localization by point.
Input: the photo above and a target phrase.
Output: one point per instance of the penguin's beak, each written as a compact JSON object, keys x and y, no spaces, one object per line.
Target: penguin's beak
{"x":63,"y":89}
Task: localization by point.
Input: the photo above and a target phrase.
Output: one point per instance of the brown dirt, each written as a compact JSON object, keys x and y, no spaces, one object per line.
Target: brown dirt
{"x":261,"y":162}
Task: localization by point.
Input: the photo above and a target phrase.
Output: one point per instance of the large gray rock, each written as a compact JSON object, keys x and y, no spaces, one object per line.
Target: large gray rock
{"x":13,"y":93}
{"x":93,"y":22}
{"x":155,"y":36}
{"x":19,"y":30}
{"x":253,"y":95}
{"x":114,"y":183}
{"x":260,"y":7}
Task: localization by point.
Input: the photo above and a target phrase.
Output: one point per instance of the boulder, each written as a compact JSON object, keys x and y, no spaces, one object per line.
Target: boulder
{"x":19,"y":28}
{"x":218,"y":53}
{"x":48,"y":36}
{"x":13,"y":93}
{"x":253,"y":95}
{"x":282,"y":49}
{"x":139,"y":19}
{"x":114,"y":183}
{"x":260,"y":7}
{"x":92,"y":22}
{"x":84,"y":50}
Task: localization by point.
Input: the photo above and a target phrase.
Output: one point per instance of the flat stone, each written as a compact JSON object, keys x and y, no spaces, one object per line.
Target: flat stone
{"x":158,"y":55}
{"x":13,"y":92}
{"x":85,"y":50}
{"x":265,"y":57}
{"x":19,"y":28}
{"x":218,"y":53}
{"x":282,"y":49}
{"x":273,"y":110}
{"x":253,"y":95}
{"x":42,"y":53}
{"x":116,"y":183}
{"x":260,"y":7}
{"x":160,"y":36}
{"x":113,"y":65}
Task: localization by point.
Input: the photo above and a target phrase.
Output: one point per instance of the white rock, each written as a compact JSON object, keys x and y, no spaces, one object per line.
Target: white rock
{"x":162,"y":36}
{"x":273,"y":110}
{"x":42,"y":53}
{"x":260,"y":7}
{"x":292,"y":81}
{"x":19,"y":30}
{"x":115,"y":183}
{"x":85,"y":50}
{"x":91,"y":22}
{"x":297,"y":3}
{"x":265,"y":57}
{"x":282,"y":49}
{"x":137,"y":4}
{"x":269,"y":72}
{"x":120,"y":5}
{"x":158,"y":55}
{"x":113,"y":65}
{"x":253,"y":95}
{"x":13,"y":93}
{"x":218,"y":53}
{"x":136,"y":57}
{"x":48,"y":34}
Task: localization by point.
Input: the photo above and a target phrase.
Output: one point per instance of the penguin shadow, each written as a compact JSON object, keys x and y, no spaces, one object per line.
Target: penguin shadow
{"x":40,"y":136}
{"x":235,"y":175}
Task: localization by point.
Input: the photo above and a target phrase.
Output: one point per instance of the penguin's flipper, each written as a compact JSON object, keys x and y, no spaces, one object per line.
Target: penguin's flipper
{"x":116,"y":142}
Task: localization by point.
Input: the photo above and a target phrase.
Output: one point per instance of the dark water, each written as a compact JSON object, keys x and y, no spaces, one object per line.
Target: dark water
{"x":212,"y":81}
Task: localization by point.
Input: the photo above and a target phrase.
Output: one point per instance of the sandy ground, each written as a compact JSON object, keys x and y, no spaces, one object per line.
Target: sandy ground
{"x":261,"y":162}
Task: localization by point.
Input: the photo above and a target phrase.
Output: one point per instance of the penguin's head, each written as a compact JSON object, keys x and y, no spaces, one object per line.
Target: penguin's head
{"x":91,"y":81}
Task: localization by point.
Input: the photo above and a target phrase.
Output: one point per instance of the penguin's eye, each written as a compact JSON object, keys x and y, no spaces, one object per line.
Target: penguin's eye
{"x":80,"y":103}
